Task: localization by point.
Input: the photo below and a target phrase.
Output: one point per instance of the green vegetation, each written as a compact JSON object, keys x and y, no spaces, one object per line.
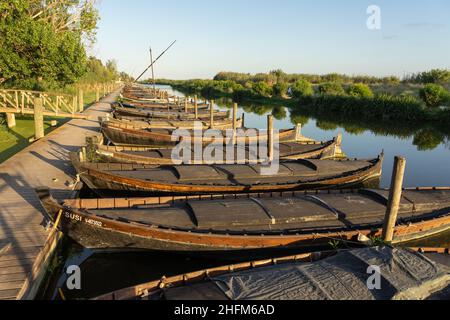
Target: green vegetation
{"x":369,"y":98}
{"x":360,"y":90}
{"x":17,"y":139}
{"x":43,"y":49}
{"x":331,"y":89}
{"x":434,"y":95}
{"x":302,"y":88}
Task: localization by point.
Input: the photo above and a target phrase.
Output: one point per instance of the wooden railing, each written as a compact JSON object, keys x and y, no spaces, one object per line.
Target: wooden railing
{"x":55,"y":104}
{"x":22,"y":101}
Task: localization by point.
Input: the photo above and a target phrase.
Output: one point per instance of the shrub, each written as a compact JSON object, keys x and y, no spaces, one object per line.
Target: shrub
{"x":263,"y":89}
{"x":433,"y":95}
{"x":302,"y":88}
{"x":280,"y":89}
{"x":360,"y":90}
{"x":331,"y":89}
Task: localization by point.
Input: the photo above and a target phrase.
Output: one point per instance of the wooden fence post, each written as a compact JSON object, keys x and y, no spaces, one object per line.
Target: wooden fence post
{"x":11,"y":120}
{"x":81,"y":100}
{"x":395,"y":197}
{"x":270,"y":139}
{"x":38,"y":118}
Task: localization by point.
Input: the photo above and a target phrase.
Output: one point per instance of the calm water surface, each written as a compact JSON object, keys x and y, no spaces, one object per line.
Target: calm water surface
{"x":428,"y":164}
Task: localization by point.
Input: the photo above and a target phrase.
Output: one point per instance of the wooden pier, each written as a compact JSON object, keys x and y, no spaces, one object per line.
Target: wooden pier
{"x":25,"y":242}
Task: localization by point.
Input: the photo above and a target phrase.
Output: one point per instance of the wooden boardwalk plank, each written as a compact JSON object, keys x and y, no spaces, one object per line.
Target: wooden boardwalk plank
{"x":44,"y":163}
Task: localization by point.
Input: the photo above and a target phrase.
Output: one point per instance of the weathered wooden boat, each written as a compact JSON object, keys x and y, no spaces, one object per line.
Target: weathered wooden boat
{"x":294,"y":150}
{"x":408,"y":273}
{"x":164,"y":106}
{"x":246,"y":225}
{"x":145,"y":123}
{"x":108,"y":178}
{"x":161,"y":114}
{"x":122,"y":134}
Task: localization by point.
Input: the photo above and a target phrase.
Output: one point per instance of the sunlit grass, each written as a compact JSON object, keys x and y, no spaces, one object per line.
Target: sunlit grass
{"x":16,"y":139}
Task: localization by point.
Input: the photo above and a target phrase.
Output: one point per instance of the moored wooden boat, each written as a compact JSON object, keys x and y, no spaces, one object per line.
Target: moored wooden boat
{"x":294,"y":150}
{"x":164,"y":106}
{"x":414,"y":272}
{"x":161,"y":114}
{"x":145,"y":123}
{"x":107,"y":178}
{"x":247,"y":225}
{"x":124,"y":134}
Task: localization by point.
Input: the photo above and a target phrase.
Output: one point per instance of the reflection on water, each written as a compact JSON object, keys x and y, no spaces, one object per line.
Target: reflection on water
{"x":426,"y":149}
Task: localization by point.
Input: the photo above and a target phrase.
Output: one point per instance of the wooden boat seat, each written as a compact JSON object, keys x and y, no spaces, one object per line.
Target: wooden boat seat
{"x":195,"y":173}
{"x":157,"y":216}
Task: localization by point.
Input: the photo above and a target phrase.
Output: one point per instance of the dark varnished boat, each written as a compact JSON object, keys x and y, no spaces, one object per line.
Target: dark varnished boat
{"x":246,"y":225}
{"x":168,"y":114}
{"x":145,"y":123}
{"x":410,"y":273}
{"x":107,"y":178}
{"x":127,"y":134}
{"x":294,"y":150}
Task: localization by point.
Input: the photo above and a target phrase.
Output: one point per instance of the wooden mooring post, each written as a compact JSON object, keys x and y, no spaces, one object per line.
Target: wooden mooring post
{"x":298,"y":132}
{"x":270,"y":138}
{"x":211,"y":115}
{"x":395,"y":197}
{"x":38,"y":118}
{"x":196,"y":107}
{"x":235,"y":110}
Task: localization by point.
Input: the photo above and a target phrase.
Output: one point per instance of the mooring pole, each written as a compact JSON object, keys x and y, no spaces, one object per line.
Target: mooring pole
{"x":38,"y":118}
{"x":298,"y":132}
{"x":270,"y":140}
{"x":186,"y":106}
{"x":395,"y":197}
{"x":196,"y":106}
{"x":211,"y":114}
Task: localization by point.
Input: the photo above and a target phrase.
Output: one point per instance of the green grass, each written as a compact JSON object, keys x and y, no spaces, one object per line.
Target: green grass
{"x":16,"y":139}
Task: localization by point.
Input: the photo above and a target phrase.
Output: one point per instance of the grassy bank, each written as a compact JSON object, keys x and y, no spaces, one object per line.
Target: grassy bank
{"x":18,"y":138}
{"x":388,"y":102}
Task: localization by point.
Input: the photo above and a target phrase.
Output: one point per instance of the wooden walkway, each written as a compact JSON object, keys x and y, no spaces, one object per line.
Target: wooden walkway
{"x":22,"y":223}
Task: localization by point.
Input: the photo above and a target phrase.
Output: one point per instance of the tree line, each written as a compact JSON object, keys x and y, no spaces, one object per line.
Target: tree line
{"x":44,"y":44}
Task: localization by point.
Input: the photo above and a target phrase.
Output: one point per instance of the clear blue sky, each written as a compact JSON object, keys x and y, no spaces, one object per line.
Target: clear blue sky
{"x":298,"y":36}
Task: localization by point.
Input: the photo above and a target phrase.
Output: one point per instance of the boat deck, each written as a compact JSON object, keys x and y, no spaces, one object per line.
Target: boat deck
{"x":23,"y":232}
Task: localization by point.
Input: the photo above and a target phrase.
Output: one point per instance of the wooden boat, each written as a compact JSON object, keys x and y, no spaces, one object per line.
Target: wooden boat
{"x":164,"y":106}
{"x":160,"y":114}
{"x":247,"y":225}
{"x":409,"y":273}
{"x":107,"y":178}
{"x":122,"y":134}
{"x":163,"y":156}
{"x":145,"y":123}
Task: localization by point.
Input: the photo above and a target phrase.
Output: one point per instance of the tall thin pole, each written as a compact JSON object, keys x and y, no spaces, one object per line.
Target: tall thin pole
{"x":395,"y":197}
{"x":153,"y":71}
{"x":270,"y":137}
{"x":137,"y":79}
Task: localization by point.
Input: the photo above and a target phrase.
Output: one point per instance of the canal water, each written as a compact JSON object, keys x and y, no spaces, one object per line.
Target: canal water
{"x":428,"y":164}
